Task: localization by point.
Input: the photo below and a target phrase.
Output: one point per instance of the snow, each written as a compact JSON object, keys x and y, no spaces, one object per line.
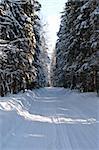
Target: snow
{"x":85,"y":6}
{"x":49,"y":119}
{"x":84,"y":25}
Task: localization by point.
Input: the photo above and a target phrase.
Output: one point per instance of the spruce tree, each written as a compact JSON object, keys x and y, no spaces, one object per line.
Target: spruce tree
{"x":19,"y":46}
{"x":77,"y":48}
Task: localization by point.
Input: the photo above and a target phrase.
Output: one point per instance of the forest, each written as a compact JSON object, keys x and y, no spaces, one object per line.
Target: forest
{"x":24,"y":52}
{"x":49,"y":102}
{"x":23,"y":49}
{"x":75,"y":61}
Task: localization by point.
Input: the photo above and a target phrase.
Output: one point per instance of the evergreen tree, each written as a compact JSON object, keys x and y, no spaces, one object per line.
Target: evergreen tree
{"x":77,"y":48}
{"x":19,"y":48}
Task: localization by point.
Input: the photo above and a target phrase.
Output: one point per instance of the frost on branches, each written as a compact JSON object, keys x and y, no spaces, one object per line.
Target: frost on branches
{"x":20,"y":47}
{"x":77,"y":47}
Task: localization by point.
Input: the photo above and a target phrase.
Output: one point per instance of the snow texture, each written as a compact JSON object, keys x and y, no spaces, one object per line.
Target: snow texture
{"x":49,"y":119}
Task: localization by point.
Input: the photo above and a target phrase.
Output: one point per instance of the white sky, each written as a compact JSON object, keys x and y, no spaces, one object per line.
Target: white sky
{"x":51,"y":13}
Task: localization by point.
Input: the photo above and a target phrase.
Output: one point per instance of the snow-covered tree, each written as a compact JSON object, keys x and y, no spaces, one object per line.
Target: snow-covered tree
{"x":65,"y":37}
{"x":19,"y":46}
{"x":77,"y":48}
{"x":42,"y":58}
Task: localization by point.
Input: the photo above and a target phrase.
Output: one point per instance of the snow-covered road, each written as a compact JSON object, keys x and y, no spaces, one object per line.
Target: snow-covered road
{"x":49,"y":119}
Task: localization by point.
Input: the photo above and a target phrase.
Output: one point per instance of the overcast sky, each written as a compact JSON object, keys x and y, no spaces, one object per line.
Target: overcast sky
{"x":51,"y":13}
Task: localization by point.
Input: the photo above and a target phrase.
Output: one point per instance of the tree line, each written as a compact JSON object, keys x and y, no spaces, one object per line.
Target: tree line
{"x":23,"y":49}
{"x":75,"y":61}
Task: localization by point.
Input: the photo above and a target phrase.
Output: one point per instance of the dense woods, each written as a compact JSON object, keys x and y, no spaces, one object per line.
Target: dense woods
{"x":75,"y":62}
{"x":23,"y":48}
{"x":23,"y":51}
